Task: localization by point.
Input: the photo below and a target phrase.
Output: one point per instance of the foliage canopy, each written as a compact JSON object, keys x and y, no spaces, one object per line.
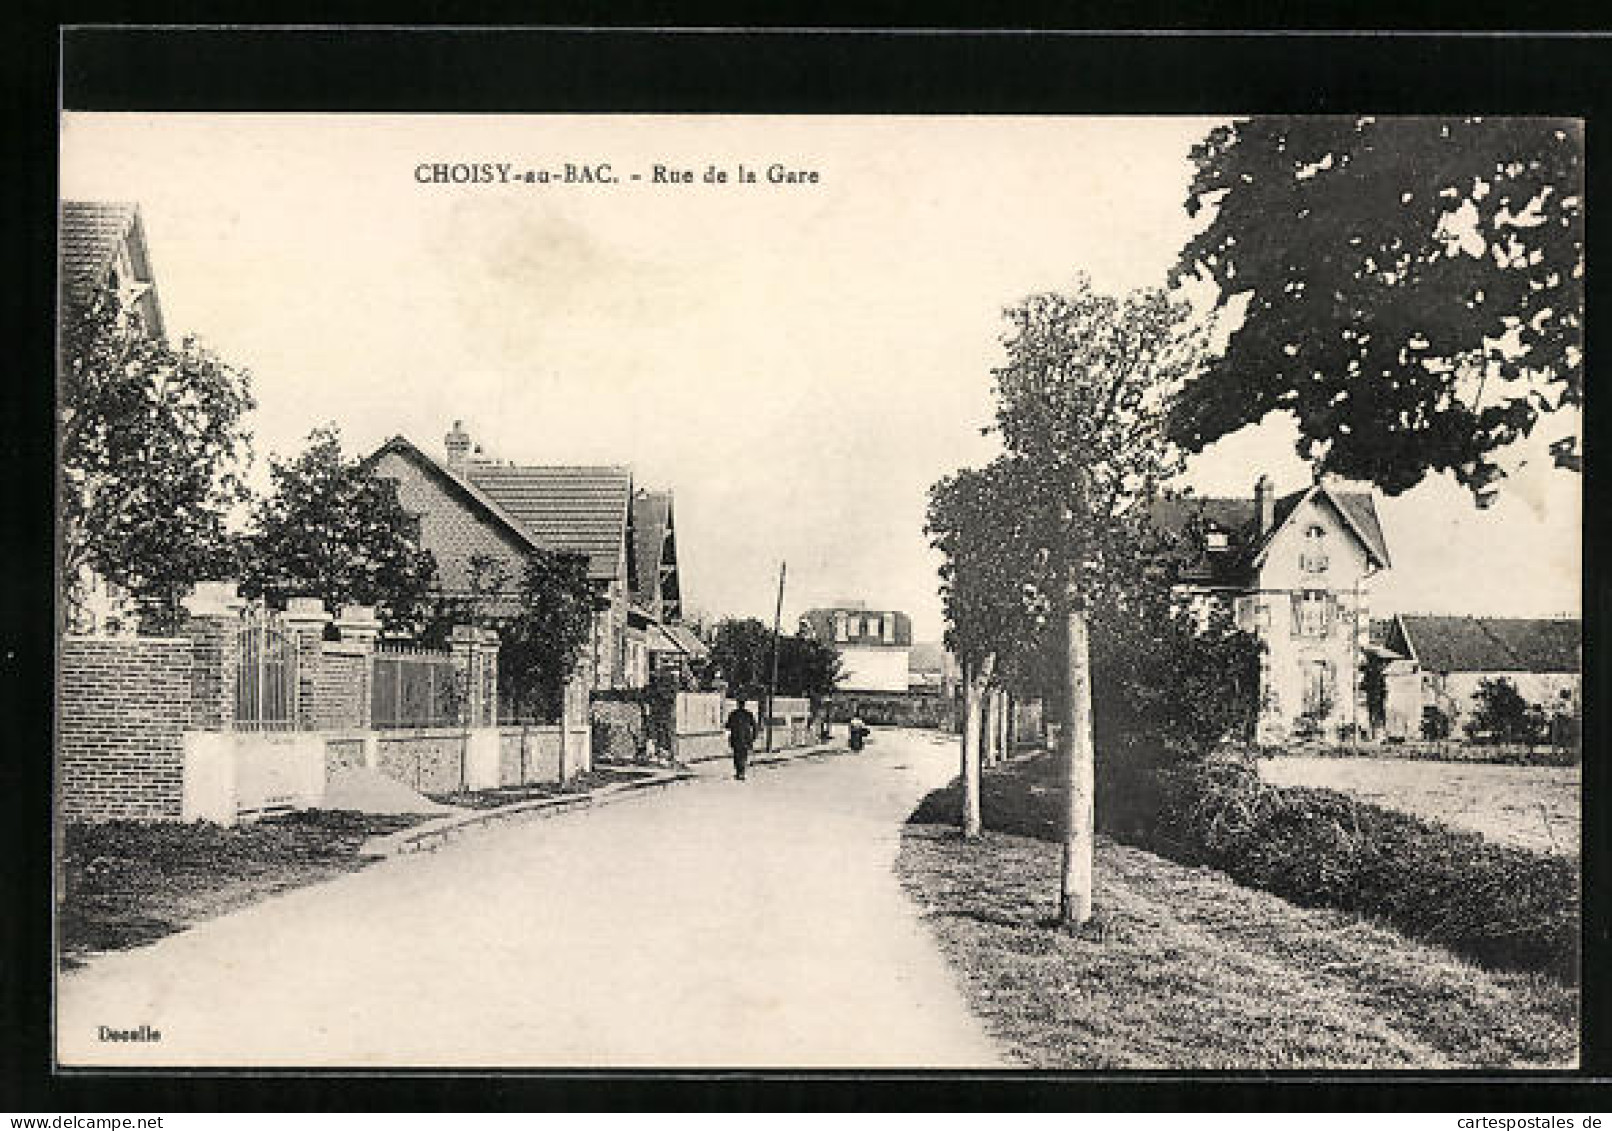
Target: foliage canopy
{"x":152,"y":439}
{"x":1414,"y":289}
{"x":331,"y":528}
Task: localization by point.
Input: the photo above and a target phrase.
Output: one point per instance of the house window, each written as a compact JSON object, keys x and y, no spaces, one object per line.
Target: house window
{"x":841,"y":627}
{"x":1215,"y":540}
{"x":887,"y":628}
{"x":1312,"y":613}
{"x":870,"y":627}
{"x":1319,"y":694}
{"x":1313,"y":558}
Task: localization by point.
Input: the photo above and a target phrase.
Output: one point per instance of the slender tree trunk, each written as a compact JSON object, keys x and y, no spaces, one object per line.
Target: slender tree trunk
{"x":1003,"y":717}
{"x":1004,"y":726}
{"x":988,"y":741}
{"x":975,"y":680}
{"x":1077,"y":757}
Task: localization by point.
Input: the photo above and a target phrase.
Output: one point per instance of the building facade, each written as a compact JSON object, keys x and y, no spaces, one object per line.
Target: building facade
{"x":1439,"y":662}
{"x":1295,"y":570}
{"x":475,"y":510}
{"x":874,"y":645}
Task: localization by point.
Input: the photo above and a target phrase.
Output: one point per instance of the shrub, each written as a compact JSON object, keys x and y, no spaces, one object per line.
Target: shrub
{"x":1435,"y":724}
{"x":1499,"y":905}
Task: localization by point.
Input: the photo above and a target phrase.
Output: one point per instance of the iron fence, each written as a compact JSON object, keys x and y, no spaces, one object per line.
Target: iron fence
{"x":265,"y":674}
{"x":415,"y":688}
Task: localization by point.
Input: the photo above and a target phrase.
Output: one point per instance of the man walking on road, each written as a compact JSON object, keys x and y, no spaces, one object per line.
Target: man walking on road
{"x":741,"y":736}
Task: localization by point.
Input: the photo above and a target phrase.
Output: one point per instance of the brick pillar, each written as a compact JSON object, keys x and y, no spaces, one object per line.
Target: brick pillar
{"x":360,"y":628}
{"x":468,"y":649}
{"x":490,"y":645}
{"x":305,"y":619}
{"x":214,"y":610}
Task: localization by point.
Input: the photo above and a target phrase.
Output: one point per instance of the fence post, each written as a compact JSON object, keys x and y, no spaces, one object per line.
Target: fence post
{"x":215,"y":615}
{"x":305,"y":619}
{"x":358,"y":625}
{"x":465,"y":643}
{"x":490,"y":645}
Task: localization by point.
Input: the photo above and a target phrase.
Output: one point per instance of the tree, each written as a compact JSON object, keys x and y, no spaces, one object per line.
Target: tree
{"x":741,"y":650}
{"x":1081,"y":404}
{"x":741,"y":653}
{"x":1502,"y":714}
{"x":543,"y":618}
{"x":152,"y":442}
{"x":331,"y":528}
{"x":807,"y":667}
{"x":1414,"y":287}
{"x":541,"y":645}
{"x":992,"y":603}
{"x":1374,"y":682}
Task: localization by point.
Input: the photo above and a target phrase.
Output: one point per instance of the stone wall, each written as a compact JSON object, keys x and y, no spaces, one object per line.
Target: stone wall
{"x":429,"y":761}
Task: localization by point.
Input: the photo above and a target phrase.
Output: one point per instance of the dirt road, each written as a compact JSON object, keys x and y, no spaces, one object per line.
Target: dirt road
{"x":717,"y":923}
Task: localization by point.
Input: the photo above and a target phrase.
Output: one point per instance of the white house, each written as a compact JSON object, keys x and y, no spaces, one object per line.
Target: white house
{"x":874,"y":645}
{"x":1297,"y":571}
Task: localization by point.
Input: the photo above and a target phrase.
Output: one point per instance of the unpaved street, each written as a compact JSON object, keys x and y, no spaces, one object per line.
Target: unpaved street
{"x":717,"y":923}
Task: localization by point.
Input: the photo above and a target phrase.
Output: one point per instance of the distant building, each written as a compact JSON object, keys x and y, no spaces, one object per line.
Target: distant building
{"x":931,"y":670}
{"x":874,"y":645}
{"x":1439,"y":662}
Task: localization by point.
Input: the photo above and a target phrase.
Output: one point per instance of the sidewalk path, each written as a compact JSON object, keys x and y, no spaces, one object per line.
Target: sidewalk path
{"x":718,"y":923}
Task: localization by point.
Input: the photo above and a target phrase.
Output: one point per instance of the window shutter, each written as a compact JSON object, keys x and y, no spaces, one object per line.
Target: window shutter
{"x":1298,"y":614}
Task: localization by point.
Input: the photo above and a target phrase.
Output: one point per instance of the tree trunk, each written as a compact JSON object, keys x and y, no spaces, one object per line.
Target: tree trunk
{"x":1005,"y":739}
{"x":1077,"y":757}
{"x":975,"y":680}
{"x":988,"y":742}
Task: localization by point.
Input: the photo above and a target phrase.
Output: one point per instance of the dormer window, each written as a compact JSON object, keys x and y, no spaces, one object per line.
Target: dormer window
{"x":1313,"y":558}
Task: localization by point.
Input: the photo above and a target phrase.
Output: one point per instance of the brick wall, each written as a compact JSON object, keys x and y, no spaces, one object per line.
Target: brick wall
{"x":340,"y":689}
{"x":124,"y":706}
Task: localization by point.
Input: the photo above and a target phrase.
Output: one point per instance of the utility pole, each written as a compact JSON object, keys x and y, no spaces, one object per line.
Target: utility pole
{"x":777,"y":619}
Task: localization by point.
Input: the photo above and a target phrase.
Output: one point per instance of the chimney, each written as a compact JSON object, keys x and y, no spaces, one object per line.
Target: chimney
{"x":458,"y":444}
{"x":1265,"y":504}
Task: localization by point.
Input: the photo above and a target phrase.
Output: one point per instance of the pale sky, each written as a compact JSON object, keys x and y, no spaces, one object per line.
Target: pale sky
{"x":796,"y":362}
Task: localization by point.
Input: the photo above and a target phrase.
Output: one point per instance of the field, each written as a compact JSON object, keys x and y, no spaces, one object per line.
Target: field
{"x":1535,"y":807}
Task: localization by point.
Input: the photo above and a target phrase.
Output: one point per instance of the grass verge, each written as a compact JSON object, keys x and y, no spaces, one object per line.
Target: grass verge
{"x":128,"y":883}
{"x":1197,"y":972}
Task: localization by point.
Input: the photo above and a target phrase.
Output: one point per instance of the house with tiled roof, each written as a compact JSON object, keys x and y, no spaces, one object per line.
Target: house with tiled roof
{"x":1448,"y":657}
{"x":1296,"y":569}
{"x":102,"y":245}
{"x":474,"y":510}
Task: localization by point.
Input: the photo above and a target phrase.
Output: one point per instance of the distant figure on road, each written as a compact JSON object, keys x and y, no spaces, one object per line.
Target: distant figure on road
{"x":741,"y":736}
{"x":859,"y":732}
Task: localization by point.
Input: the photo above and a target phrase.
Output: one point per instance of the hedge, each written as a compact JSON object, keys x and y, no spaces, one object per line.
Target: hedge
{"x":1499,"y":905}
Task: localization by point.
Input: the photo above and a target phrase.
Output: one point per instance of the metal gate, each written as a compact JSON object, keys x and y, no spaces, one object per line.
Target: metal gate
{"x":265,"y":674}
